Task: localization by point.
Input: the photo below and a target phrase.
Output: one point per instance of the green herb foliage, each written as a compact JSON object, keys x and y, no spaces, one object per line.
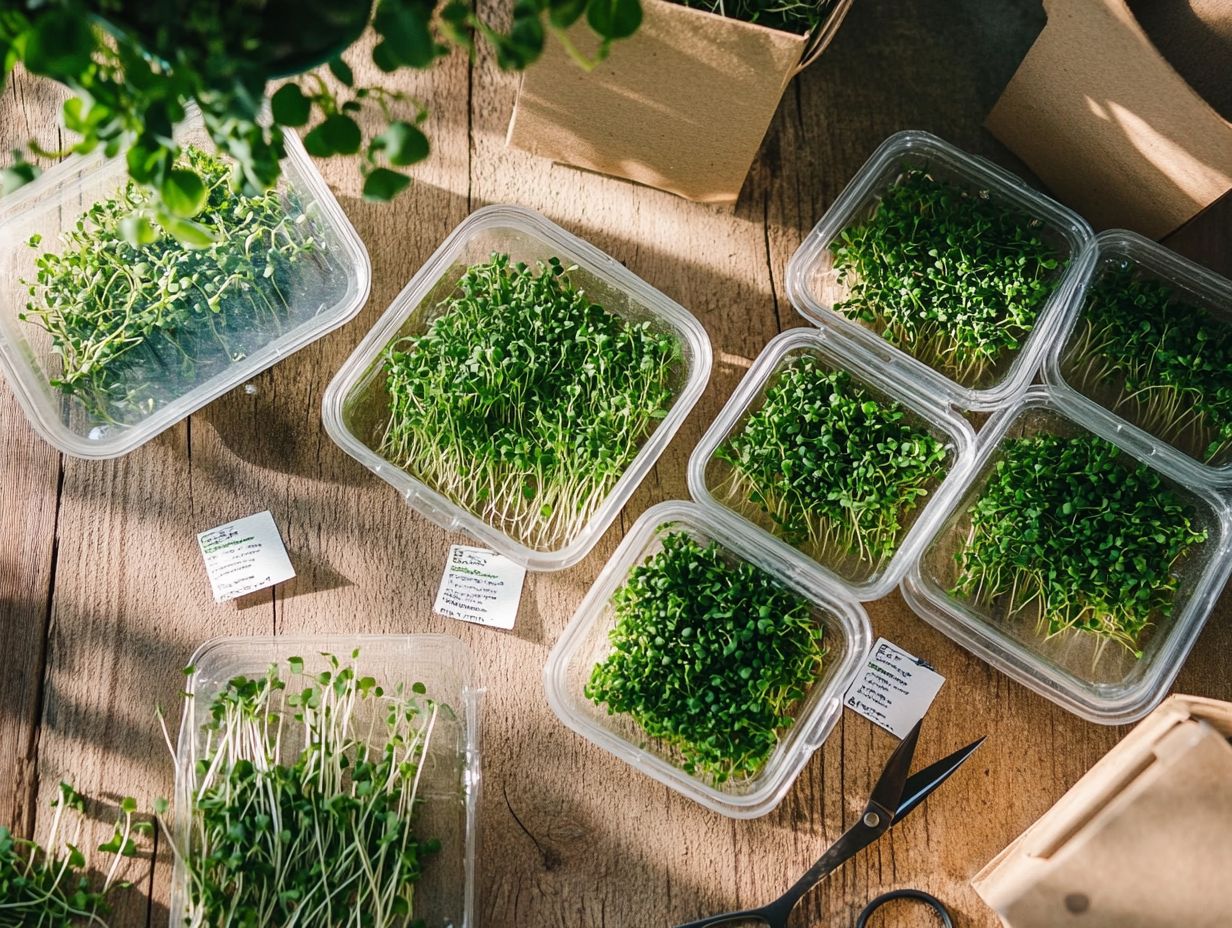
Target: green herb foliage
{"x":1164,"y":362}
{"x":135,"y":326}
{"x":798,"y":16}
{"x":953,"y":277}
{"x":50,"y":885}
{"x":709,"y":656}
{"x":524,"y":402}
{"x":322,"y":834}
{"x":1070,"y":528}
{"x":836,"y":470}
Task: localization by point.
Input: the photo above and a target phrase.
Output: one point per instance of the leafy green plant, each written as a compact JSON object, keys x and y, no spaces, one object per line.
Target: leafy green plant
{"x":524,"y":402}
{"x":798,"y":16}
{"x":134,"y":325}
{"x":954,"y":277}
{"x":836,"y":470}
{"x":708,"y":655}
{"x":1157,"y":358}
{"x":51,"y":885}
{"x":1071,"y":529}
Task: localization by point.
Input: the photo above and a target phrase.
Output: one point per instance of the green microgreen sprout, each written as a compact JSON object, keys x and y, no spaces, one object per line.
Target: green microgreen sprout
{"x":836,"y":470}
{"x":524,"y":402}
{"x":799,"y":16}
{"x":1071,"y":529}
{"x":709,"y":655}
{"x":952,"y":276}
{"x":1157,"y":358}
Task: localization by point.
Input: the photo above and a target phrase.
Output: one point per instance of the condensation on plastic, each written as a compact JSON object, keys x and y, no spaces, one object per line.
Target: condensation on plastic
{"x":355,"y":406}
{"x":450,"y":785}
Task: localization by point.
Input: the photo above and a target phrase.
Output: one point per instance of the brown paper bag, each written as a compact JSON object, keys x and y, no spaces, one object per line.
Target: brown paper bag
{"x":683,"y":105}
{"x":1099,"y":113}
{"x":1144,"y":840}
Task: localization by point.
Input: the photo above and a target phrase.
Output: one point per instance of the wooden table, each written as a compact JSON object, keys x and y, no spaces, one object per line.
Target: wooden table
{"x":103,"y":597}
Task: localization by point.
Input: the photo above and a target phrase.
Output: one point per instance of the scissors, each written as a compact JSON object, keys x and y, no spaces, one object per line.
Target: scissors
{"x":893,"y":797}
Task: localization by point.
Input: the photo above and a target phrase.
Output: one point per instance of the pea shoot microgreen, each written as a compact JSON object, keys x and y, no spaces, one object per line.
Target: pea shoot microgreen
{"x":798,"y":16}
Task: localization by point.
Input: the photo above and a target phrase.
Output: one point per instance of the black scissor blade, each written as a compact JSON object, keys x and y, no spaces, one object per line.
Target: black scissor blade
{"x":889,"y":790}
{"x":919,"y":785}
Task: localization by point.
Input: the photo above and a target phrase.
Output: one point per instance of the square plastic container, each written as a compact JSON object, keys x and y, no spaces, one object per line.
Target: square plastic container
{"x":812,"y":280}
{"x":1070,"y":365}
{"x":331,"y":286}
{"x":585,"y":642}
{"x":450,"y":777}
{"x":356,"y":402}
{"x":1104,"y":684}
{"x":887,"y":382}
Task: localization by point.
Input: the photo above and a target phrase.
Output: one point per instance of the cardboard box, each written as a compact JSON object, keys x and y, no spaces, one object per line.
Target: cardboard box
{"x":1144,"y":840}
{"x":1107,"y":121}
{"x":682,"y":105}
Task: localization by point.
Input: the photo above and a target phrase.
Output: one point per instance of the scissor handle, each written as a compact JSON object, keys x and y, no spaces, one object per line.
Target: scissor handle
{"x":917,"y":894}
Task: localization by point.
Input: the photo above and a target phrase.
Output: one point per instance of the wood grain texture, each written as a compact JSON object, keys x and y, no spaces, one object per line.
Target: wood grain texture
{"x":103,"y":599}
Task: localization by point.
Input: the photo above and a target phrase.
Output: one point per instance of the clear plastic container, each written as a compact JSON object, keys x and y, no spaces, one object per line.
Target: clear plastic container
{"x":356,"y":402}
{"x":812,"y":281}
{"x":1104,"y":684}
{"x":1072,"y":367}
{"x":585,"y":642}
{"x":329,"y":287}
{"x":450,"y":781}
{"x":886,"y":382}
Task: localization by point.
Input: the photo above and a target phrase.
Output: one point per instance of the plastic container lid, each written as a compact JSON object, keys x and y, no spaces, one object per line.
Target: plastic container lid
{"x":329,"y":290}
{"x":812,"y":282}
{"x":445,"y":895}
{"x":585,"y":642}
{"x":355,"y":403}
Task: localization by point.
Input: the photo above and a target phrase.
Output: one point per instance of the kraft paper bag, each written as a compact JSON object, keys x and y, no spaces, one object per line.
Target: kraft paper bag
{"x":682,"y":105}
{"x":1104,"y":112}
{"x":1144,"y":840}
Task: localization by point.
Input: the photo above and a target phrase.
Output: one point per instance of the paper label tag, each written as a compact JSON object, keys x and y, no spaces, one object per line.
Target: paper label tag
{"x":895,"y":689}
{"x":480,"y":586}
{"x":244,"y":556}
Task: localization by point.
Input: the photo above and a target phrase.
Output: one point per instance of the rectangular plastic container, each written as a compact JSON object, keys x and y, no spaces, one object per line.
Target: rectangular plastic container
{"x":355,"y":404}
{"x":886,"y":382}
{"x":812,"y":281}
{"x":585,"y":642}
{"x":445,"y":895}
{"x":1107,"y":685}
{"x":331,"y":287}
{"x":1069,"y":362}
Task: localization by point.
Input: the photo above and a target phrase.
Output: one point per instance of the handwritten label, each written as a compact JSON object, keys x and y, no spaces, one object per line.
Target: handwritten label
{"x":244,"y":556}
{"x":480,"y":586}
{"x":895,"y":689}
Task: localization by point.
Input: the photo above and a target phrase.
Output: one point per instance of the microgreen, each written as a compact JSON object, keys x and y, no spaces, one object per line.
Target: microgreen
{"x":709,"y":655}
{"x":1157,"y":358}
{"x":524,"y":402}
{"x":1069,"y":528}
{"x":836,"y":470}
{"x":954,"y":277}
{"x":798,"y":16}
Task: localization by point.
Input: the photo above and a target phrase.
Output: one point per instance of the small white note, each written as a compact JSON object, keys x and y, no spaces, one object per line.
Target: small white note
{"x":244,"y":556}
{"x":480,"y":586}
{"x":895,"y":688}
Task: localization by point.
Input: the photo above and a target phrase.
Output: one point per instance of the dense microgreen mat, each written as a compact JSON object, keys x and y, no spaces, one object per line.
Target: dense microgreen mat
{"x":1159,"y":359}
{"x":953,"y":276}
{"x":524,"y":401}
{"x":798,"y":16}
{"x":710,"y":655}
{"x":137,"y":325}
{"x":836,"y":470}
{"x":1072,"y":528}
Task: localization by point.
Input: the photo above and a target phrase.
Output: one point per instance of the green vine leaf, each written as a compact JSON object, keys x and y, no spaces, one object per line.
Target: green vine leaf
{"x":290,"y":107}
{"x":382,"y":185}
{"x":183,"y":193}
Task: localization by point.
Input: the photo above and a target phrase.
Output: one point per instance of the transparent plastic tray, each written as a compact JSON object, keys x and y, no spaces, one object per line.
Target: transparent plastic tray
{"x":329,"y":289}
{"x":886,"y":383}
{"x":356,"y":402}
{"x":1104,"y":684}
{"x":1068,"y":365}
{"x":451,"y":768}
{"x":812,"y":281}
{"x":585,"y":642}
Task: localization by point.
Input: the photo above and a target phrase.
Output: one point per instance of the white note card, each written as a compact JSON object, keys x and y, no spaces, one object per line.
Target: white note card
{"x":480,"y":586}
{"x":244,"y":556}
{"x":894,"y":689}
